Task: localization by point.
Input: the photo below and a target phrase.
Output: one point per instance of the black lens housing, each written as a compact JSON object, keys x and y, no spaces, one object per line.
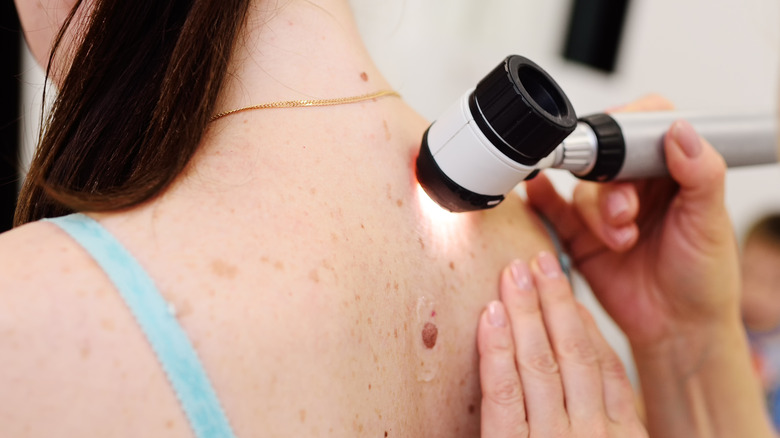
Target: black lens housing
{"x":521,"y":111}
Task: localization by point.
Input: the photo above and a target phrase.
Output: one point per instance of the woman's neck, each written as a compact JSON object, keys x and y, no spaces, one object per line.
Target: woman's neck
{"x":298,"y":49}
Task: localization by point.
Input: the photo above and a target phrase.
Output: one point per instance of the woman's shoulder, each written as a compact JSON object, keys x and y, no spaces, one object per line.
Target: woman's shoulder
{"x":68,"y":345}
{"x":39,"y":256}
{"x":45,"y":281}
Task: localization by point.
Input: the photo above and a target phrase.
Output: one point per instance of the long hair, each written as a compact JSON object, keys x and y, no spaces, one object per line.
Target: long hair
{"x":133,"y":104}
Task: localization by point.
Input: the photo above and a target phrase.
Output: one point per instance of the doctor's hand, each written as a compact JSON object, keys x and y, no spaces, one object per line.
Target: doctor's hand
{"x":659,"y":254}
{"x":545,"y":369}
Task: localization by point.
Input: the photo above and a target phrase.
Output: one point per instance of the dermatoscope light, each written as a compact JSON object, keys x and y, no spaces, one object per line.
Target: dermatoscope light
{"x":518,"y":121}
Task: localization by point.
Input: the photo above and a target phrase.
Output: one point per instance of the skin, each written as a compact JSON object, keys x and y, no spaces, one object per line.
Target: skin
{"x":760,"y":279}
{"x":546,"y":369}
{"x":661,"y":257}
{"x":296,"y":272}
{"x":41,"y":20}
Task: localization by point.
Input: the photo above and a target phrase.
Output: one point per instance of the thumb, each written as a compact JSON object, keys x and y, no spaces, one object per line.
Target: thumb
{"x":698,"y":168}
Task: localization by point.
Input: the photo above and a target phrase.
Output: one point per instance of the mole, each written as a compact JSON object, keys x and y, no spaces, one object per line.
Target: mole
{"x":429,"y":334}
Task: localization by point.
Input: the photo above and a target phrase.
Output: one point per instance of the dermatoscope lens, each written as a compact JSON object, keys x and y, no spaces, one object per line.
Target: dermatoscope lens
{"x":491,"y":138}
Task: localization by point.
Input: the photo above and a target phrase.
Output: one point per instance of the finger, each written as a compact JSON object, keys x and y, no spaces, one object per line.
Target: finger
{"x":503,"y":407}
{"x":609,"y":212}
{"x":618,"y":393}
{"x":543,"y":197}
{"x":650,"y":102}
{"x":539,"y":372}
{"x":573,"y":349}
{"x":698,"y":169}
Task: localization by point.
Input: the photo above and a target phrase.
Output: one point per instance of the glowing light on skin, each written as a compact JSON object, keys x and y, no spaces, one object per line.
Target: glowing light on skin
{"x":433,"y":212}
{"x":443,"y":231}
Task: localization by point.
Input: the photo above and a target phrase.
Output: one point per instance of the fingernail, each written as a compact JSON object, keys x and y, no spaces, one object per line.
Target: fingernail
{"x":548,"y":264}
{"x":521,"y":274}
{"x":495,"y":314}
{"x":687,"y":138}
{"x":617,"y":203}
{"x":622,"y":236}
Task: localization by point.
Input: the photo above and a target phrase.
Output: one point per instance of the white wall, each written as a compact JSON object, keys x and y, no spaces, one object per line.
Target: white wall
{"x":702,"y":54}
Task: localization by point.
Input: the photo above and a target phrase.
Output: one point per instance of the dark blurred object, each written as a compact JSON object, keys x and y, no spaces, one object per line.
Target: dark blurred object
{"x":10,"y":70}
{"x":594,"y":34}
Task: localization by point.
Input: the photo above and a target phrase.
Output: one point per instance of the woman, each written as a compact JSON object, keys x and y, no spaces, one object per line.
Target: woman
{"x":321,"y":293}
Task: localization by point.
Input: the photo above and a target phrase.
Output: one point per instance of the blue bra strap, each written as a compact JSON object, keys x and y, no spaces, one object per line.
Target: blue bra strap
{"x":152,"y":312}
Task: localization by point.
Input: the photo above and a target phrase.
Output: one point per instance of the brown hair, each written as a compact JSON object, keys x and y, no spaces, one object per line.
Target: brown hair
{"x":766,"y":229}
{"x":133,"y":106}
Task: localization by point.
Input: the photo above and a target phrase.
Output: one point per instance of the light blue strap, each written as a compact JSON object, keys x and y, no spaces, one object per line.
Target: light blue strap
{"x":168,"y":339}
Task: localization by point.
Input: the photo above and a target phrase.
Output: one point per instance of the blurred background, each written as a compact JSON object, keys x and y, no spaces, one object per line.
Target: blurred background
{"x":702,"y":54}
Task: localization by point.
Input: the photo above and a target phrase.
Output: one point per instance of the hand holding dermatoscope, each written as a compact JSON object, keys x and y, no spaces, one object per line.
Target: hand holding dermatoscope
{"x":518,"y":121}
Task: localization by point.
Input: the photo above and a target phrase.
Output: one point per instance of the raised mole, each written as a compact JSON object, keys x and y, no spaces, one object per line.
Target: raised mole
{"x":429,"y":334}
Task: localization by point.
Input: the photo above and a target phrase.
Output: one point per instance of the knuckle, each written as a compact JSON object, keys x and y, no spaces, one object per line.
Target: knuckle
{"x":544,"y":363}
{"x":578,"y":349}
{"x":613,"y":368}
{"x":505,"y":392}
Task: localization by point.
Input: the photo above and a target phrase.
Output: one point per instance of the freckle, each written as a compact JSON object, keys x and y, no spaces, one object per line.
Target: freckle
{"x":314,"y":276}
{"x":362,"y":226}
{"x":452,"y":265}
{"x":302,"y":415}
{"x":313,"y":191}
{"x":429,"y":335}
{"x":369,"y":321}
{"x":395,"y":285}
{"x":462,"y":382}
{"x":405,"y":327}
{"x":472,"y":255}
{"x":369,"y":387}
{"x":84,"y":352}
{"x":389,"y":191}
{"x":279,"y":266}
{"x":334,"y":237}
{"x":107,"y":325}
{"x":264,"y":259}
{"x":357,"y":297}
{"x":399,"y":202}
{"x":364,"y":76}
{"x":224,"y":269}
{"x":395,"y":333}
{"x":169,"y":424}
{"x":471,"y":409}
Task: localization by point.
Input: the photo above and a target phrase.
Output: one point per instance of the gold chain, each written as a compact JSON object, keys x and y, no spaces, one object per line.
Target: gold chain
{"x":309,"y":102}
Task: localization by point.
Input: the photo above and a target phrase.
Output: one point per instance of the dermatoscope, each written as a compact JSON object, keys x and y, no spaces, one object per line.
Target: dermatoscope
{"x":517,"y":121}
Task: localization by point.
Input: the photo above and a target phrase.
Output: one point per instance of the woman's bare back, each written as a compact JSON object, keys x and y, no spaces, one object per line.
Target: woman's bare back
{"x":325,"y":295}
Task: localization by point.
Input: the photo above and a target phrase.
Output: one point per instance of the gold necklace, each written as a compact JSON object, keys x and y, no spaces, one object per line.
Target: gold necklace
{"x":309,"y":102}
